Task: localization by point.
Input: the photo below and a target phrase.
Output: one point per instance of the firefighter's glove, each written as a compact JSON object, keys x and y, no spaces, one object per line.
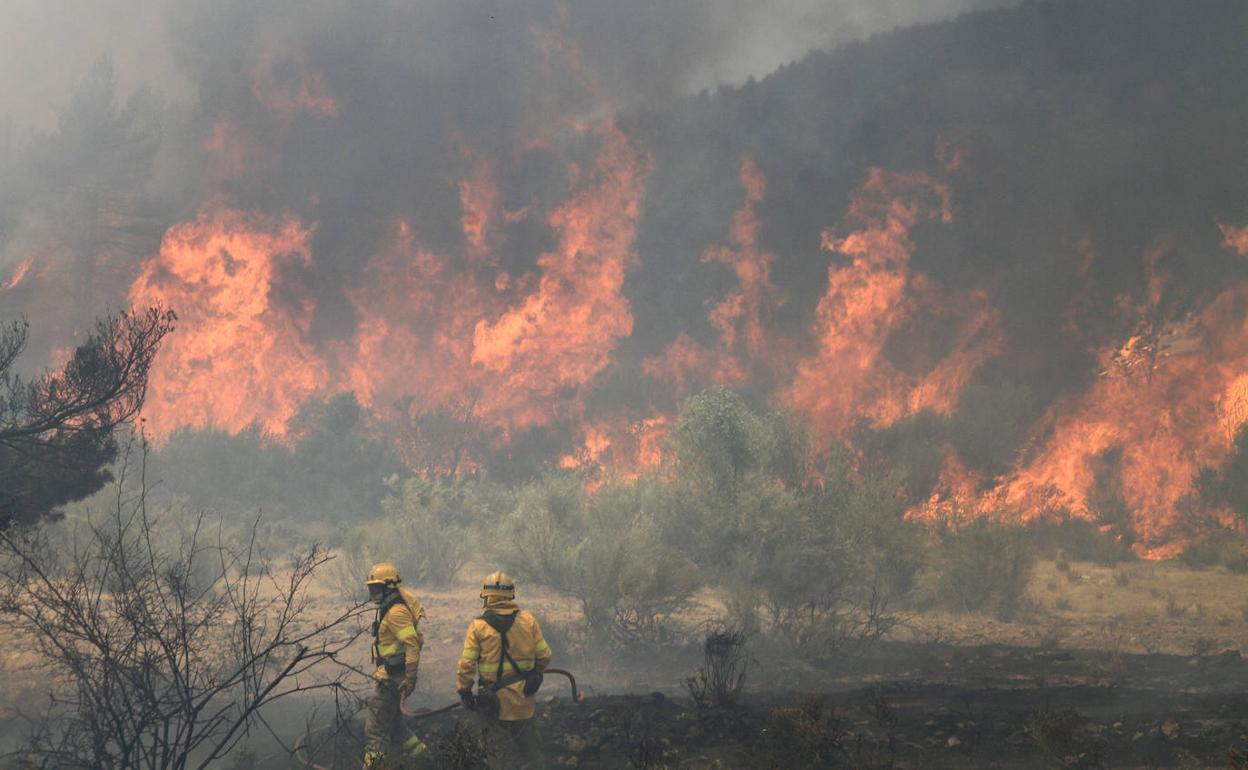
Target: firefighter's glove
{"x":532,"y":682}
{"x":405,"y":689}
{"x":395,"y":665}
{"x":468,"y":699}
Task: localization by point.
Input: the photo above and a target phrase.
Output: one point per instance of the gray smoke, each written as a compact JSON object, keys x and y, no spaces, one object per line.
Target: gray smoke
{"x":639,"y":49}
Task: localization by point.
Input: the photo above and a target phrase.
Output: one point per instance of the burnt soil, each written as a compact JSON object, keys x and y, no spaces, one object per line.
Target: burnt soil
{"x":921,"y":706}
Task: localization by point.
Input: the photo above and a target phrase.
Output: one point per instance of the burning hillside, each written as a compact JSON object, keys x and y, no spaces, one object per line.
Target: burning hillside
{"x":563,"y":273}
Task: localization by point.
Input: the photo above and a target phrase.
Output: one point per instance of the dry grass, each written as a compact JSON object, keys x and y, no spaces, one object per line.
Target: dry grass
{"x":1151,"y":606}
{"x":1159,"y":607}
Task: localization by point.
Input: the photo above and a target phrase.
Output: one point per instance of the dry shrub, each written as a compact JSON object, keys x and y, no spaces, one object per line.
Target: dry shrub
{"x":457,"y":747}
{"x":170,"y":641}
{"x":807,"y":735}
{"x":725,"y":664}
{"x":1063,"y":734}
{"x":1173,"y":608}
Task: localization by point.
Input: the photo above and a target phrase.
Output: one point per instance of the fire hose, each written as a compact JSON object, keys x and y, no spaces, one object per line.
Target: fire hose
{"x":412,"y":716}
{"x":417,"y":715}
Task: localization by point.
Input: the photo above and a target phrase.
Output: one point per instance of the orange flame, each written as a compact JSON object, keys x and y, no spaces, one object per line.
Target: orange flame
{"x":414,"y":334}
{"x":849,"y":376}
{"x":1235,"y":238}
{"x":1167,"y":402}
{"x":299,"y":89}
{"x":19,"y":274}
{"x":748,"y":348}
{"x":625,"y":446}
{"x":241,"y":354}
{"x":744,"y":312}
{"x":560,"y":337}
{"x":478,"y":200}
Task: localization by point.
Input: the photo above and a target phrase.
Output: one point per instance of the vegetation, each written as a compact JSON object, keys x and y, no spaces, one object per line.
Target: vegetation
{"x":725,"y":665}
{"x":981,"y":565}
{"x":57,"y":430}
{"x":172,"y":643}
{"x":607,"y":550}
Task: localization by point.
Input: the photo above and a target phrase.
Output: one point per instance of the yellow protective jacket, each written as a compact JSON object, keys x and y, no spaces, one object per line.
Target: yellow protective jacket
{"x":483,"y":651}
{"x":398,"y":638}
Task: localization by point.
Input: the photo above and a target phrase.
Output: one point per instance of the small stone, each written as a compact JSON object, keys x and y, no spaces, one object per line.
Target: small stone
{"x":953,"y":743}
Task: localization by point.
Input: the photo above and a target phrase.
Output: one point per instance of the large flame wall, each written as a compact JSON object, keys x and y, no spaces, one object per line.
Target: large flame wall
{"x":566,"y":267}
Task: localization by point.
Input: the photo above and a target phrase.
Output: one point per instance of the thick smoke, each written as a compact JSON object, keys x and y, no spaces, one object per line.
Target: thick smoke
{"x":531,"y":214}
{"x":415,"y":84}
{"x":642,"y":49}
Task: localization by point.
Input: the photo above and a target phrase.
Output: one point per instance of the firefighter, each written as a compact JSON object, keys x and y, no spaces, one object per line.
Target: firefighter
{"x":504,"y":650}
{"x":396,"y":652}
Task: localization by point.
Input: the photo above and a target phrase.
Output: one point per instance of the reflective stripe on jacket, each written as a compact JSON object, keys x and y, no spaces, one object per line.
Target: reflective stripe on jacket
{"x":483,"y":648}
{"x":398,"y":633}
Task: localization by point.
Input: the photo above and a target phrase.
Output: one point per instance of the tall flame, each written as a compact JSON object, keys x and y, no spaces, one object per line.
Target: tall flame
{"x":849,"y":377}
{"x":241,"y":353}
{"x":560,"y":336}
{"x":748,"y":349}
{"x":1169,"y":401}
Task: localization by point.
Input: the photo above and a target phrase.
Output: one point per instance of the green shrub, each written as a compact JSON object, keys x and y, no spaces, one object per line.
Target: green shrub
{"x":820,"y":568}
{"x":982,"y":565}
{"x":1227,"y":550}
{"x":607,"y":550}
{"x":1074,"y":539}
{"x":330,"y":467}
{"x":429,"y":528}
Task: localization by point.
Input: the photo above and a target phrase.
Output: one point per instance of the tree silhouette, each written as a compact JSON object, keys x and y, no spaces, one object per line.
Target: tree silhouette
{"x":57,"y":430}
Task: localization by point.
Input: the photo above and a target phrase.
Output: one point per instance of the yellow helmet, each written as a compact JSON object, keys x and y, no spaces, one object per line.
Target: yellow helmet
{"x":384,"y":574}
{"x":499,"y":584}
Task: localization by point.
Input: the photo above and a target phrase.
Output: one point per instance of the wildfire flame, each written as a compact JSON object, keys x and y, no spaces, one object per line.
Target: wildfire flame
{"x":19,"y":274}
{"x":748,"y":348}
{"x":849,"y":376}
{"x":241,"y":354}
{"x":559,"y":337}
{"x":288,"y":85}
{"x":461,"y":332}
{"x":1167,"y":404}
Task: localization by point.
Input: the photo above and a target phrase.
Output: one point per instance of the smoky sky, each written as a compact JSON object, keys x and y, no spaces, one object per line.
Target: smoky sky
{"x":637,"y":50}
